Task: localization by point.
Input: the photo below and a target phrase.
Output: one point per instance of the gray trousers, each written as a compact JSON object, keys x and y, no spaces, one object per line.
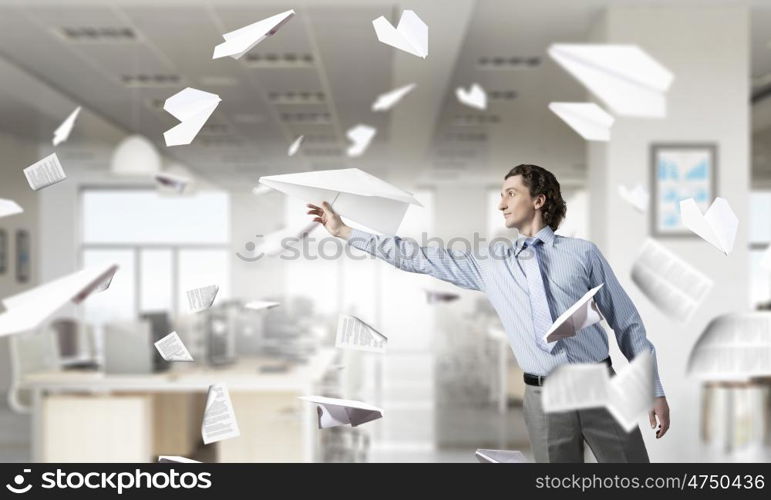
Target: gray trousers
{"x":559,"y":437}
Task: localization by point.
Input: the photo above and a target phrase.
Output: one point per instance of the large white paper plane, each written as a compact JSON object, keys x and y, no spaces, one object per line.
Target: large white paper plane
{"x":192,"y":107}
{"x":172,"y":182}
{"x":219,"y":419}
{"x":334,"y":412}
{"x":410,"y":35}
{"x":589,"y":120}
{"x":717,"y":226}
{"x":261,"y":305}
{"x":171,"y":348}
{"x":475,"y":97}
{"x":176,"y":459}
{"x":500,"y":456}
{"x":242,"y":40}
{"x":360,"y":135}
{"x":628,"y":80}
{"x":578,"y":316}
{"x":627,"y":395}
{"x":638,"y":196}
{"x":434,"y":297}
{"x":388,"y":100}
{"x":201,"y":299}
{"x":9,"y":207}
{"x":45,"y":172}
{"x":353,"y":193}
{"x":353,"y":333}
{"x":295,"y":146}
{"x":63,"y":131}
{"x":28,"y":310}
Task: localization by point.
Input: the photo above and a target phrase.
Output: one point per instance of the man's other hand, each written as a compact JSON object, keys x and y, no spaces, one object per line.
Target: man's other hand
{"x":660,"y":410}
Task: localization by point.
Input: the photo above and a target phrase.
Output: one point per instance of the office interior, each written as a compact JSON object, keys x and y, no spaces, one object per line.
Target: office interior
{"x":88,"y":384}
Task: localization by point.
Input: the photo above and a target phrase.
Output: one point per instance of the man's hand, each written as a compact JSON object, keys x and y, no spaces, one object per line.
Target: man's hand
{"x":661,"y":410}
{"x":331,"y":221}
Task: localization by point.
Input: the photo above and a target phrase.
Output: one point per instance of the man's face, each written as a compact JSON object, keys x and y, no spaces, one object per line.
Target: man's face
{"x":517,"y":205}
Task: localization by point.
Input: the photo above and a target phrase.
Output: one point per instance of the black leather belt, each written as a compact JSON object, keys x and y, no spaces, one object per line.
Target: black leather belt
{"x":531,"y":379}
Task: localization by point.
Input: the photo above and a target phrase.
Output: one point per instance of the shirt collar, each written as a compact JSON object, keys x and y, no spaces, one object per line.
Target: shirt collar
{"x":546,"y":235}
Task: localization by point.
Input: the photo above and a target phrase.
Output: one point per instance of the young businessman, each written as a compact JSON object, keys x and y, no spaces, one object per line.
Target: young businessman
{"x":531,"y":282}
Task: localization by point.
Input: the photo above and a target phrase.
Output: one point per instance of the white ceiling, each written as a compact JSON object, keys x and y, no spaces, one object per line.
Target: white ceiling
{"x":249,"y":133}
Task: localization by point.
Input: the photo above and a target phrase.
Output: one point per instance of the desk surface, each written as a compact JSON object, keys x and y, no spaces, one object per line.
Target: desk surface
{"x":244,"y":375}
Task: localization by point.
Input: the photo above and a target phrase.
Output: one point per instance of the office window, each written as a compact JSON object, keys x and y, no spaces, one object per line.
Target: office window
{"x":163,"y":245}
{"x":760,"y":238}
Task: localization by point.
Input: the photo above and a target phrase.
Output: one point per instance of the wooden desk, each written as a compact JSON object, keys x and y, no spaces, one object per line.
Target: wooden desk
{"x":274,"y":424}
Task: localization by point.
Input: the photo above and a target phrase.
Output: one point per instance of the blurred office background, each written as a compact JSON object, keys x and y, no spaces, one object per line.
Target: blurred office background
{"x":448,"y":383}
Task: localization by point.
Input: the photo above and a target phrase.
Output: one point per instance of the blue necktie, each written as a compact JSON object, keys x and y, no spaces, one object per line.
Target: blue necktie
{"x":539,"y":306}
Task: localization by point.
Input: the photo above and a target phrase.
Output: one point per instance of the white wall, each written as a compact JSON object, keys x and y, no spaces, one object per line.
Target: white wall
{"x":708,"y":51}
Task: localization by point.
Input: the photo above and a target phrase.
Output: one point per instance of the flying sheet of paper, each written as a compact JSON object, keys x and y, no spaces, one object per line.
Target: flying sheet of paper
{"x":259,"y":305}
{"x":433,"y":297}
{"x":500,"y":456}
{"x":410,"y":35}
{"x":192,"y":107}
{"x":475,"y":97}
{"x":219,"y":419}
{"x":386,"y":101}
{"x":295,"y":146}
{"x":9,"y":207}
{"x":627,"y":395}
{"x":360,"y":136}
{"x":241,"y":41}
{"x":673,"y":285}
{"x":717,"y":226}
{"x":45,"y":172}
{"x":353,"y":333}
{"x":578,"y":316}
{"x":589,"y":120}
{"x":638,"y":196}
{"x":171,"y":348}
{"x":173,"y":182}
{"x":628,"y":80}
{"x":28,"y":310}
{"x":200,"y":299}
{"x":63,"y":131}
{"x":353,"y":194}
{"x":334,"y":412}
{"x":175,"y":459}
{"x":735,"y":346}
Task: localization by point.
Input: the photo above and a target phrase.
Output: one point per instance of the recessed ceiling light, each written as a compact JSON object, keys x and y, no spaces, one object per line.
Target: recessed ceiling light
{"x":273,"y":60}
{"x":97,"y":34}
{"x":151,"y":80}
{"x":508,"y":62}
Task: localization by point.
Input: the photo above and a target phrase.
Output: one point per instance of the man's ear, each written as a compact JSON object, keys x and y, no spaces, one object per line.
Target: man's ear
{"x":540,"y":201}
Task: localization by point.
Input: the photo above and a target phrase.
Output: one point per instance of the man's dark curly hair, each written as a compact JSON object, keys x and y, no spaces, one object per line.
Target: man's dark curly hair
{"x":541,"y":181}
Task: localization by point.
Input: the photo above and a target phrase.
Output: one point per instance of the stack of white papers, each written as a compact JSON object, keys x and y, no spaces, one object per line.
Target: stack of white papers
{"x":175,"y":459}
{"x":353,"y":333}
{"x":176,"y":183}
{"x":334,"y":412}
{"x":360,"y":136}
{"x":624,"y":77}
{"x":241,"y":41}
{"x":295,"y":146}
{"x":733,"y":347}
{"x":578,"y":386}
{"x":200,"y":299}
{"x":45,"y":172}
{"x":475,"y":97}
{"x":589,"y":120}
{"x":9,"y":207}
{"x":219,"y":419}
{"x":259,"y":305}
{"x":27,"y":310}
{"x":411,"y":34}
{"x":192,"y":107}
{"x":171,"y":348}
{"x":638,"y":197}
{"x":500,"y":456}
{"x":353,"y":194}
{"x":578,"y":316}
{"x":63,"y":131}
{"x":673,"y":285}
{"x":388,"y":100}
{"x":717,"y":226}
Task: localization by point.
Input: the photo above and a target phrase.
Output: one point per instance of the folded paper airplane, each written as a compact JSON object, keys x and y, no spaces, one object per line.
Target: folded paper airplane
{"x":580,"y":315}
{"x":589,"y":120}
{"x":172,"y":182}
{"x":192,"y":107}
{"x":9,"y":207}
{"x":63,"y":131}
{"x":500,"y":456}
{"x":360,"y":136}
{"x":388,"y":100}
{"x":638,"y":197}
{"x":295,"y":146}
{"x":241,"y":41}
{"x":411,"y":35}
{"x":260,"y":305}
{"x":717,"y":226}
{"x":475,"y":97}
{"x":334,"y":412}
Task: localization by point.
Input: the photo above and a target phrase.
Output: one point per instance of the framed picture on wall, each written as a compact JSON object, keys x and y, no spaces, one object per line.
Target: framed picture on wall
{"x":679,"y":172}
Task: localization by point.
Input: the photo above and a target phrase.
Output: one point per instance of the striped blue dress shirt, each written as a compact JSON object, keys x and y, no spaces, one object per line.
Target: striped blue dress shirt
{"x":570,"y":268}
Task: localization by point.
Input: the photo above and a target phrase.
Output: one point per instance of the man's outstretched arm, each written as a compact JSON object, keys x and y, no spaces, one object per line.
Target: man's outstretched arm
{"x":457,"y":267}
